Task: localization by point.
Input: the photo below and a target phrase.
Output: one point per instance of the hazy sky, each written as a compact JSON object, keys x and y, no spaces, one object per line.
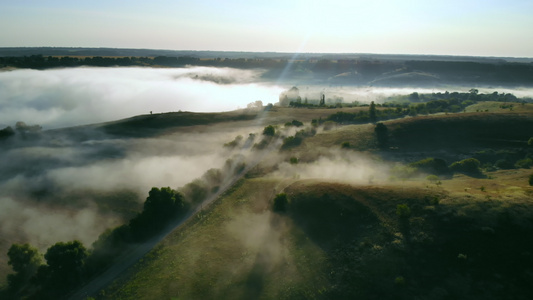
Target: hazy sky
{"x":455,"y":27}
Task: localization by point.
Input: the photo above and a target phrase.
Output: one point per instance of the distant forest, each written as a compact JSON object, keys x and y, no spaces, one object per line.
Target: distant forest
{"x":377,"y":70}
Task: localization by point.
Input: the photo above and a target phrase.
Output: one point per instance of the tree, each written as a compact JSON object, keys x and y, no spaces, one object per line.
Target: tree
{"x":372,"y":112}
{"x":8,"y":131}
{"x":65,"y":266}
{"x":25,"y":260}
{"x":414,"y":97}
{"x":269,"y":130}
{"x":322,"y":99}
{"x":280,"y":203}
{"x":291,"y":142}
{"x":162,"y":204}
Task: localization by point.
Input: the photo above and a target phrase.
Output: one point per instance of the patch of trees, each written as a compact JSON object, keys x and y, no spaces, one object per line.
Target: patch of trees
{"x":343,"y":71}
{"x":296,"y":140}
{"x":454,"y":98}
{"x":68,"y":264}
{"x":46,"y":62}
{"x":269,"y":130}
{"x":368,"y":116}
{"x":6,"y":132}
{"x":439,"y":168}
{"x":469,"y":166}
{"x":294,"y":123}
{"x":505,"y":159}
{"x":20,"y":128}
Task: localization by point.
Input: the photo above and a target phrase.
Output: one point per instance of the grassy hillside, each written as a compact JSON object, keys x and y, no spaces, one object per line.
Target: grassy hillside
{"x":237,"y":249}
{"x":460,"y":237}
{"x":339,"y":241}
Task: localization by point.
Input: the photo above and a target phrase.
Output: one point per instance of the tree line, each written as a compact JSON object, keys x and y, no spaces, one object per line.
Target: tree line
{"x":360,"y":71}
{"x":67,"y":265}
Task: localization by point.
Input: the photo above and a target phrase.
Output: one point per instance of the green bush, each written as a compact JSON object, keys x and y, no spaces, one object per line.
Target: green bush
{"x":291,"y":142}
{"x":269,"y":130}
{"x":431,"y":165}
{"x":531,"y":179}
{"x":403,"y":211}
{"x":504,"y":164}
{"x":525,"y":163}
{"x":469,"y":166}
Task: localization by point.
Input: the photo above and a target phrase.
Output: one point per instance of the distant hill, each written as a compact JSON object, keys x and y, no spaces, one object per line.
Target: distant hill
{"x":297,"y":68}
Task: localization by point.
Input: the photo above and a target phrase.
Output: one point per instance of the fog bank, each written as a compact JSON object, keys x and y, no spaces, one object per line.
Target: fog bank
{"x":66,"y":97}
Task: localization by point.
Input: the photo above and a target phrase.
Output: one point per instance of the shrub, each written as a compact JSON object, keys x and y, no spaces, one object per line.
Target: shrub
{"x":531,"y":179}
{"x":291,"y":142}
{"x":403,"y":211}
{"x":234,"y":143}
{"x":469,"y":166}
{"x":431,"y":165}
{"x":345,"y":145}
{"x":432,"y":178}
{"x":269,"y":130}
{"x":504,"y":164}
{"x":296,"y":123}
{"x":525,"y":163}
{"x":261,"y":145}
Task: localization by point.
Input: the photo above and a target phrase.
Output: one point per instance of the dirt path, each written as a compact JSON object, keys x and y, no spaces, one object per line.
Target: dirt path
{"x":135,"y":253}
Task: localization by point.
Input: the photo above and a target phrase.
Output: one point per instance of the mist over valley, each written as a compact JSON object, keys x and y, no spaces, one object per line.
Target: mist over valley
{"x":226,"y":178}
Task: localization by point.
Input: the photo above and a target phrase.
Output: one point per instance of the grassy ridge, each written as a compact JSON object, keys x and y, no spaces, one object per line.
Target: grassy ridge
{"x":146,"y":125}
{"x":463,"y":239}
{"x":339,"y":241}
{"x":236,"y":250}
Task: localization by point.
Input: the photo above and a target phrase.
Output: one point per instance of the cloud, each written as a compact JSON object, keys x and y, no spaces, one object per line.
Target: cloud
{"x":346,"y":166}
{"x":44,"y":226}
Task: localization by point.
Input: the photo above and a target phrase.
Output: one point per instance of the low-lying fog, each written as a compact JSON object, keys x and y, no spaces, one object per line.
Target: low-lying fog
{"x":74,"y":96}
{"x":67,"y":97}
{"x":49,"y":187}
{"x":54,"y":188}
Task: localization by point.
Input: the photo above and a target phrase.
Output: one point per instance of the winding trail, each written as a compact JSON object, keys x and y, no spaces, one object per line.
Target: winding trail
{"x":136,"y":252}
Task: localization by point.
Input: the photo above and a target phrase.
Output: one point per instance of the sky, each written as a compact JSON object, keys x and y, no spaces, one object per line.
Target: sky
{"x":452,"y":27}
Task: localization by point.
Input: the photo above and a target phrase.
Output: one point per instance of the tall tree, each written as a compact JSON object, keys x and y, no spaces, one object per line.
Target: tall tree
{"x":64,"y":270}
{"x":24,"y":259}
{"x":372,"y":112}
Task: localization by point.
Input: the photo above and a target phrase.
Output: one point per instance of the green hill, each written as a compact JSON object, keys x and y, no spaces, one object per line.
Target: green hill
{"x":455,"y":237}
{"x":338,"y":241}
